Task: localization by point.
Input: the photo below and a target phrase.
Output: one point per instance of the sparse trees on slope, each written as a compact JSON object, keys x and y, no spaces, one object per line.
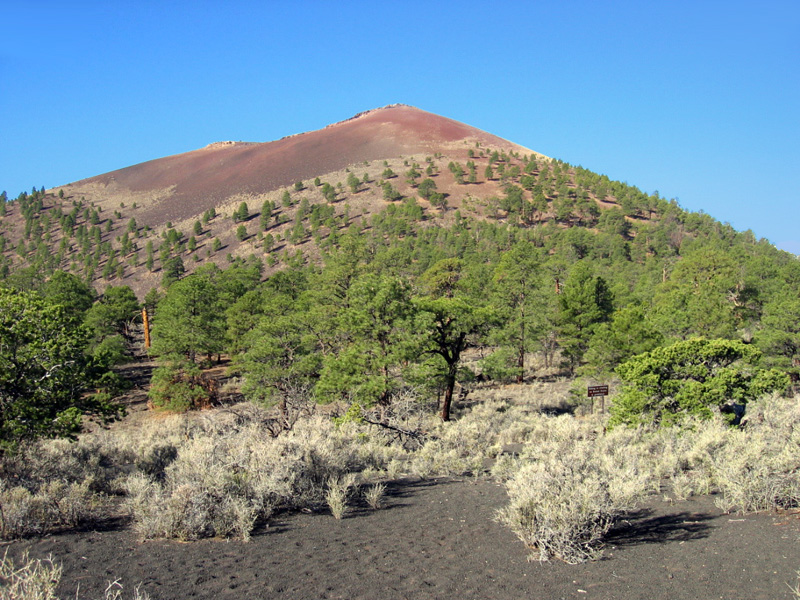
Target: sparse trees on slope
{"x":242,"y":213}
{"x":329,"y":192}
{"x":353,"y":182}
{"x":390,"y":193}
{"x":173,"y":269}
{"x":426,"y":188}
{"x":412,"y":175}
{"x":266,"y":215}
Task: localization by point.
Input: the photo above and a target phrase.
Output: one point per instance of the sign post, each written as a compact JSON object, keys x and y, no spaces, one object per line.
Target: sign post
{"x":599,"y":390}
{"x":146,"y":324}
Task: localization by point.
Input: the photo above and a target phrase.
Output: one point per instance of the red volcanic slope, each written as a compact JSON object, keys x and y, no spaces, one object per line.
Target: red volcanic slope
{"x":212,"y":174}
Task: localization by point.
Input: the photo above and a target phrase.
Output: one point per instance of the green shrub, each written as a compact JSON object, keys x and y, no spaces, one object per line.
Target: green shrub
{"x":43,"y":371}
{"x":181,"y":387}
{"x":690,"y":378}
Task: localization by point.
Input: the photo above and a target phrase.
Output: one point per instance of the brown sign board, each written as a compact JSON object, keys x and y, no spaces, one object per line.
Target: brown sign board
{"x":598,"y":390}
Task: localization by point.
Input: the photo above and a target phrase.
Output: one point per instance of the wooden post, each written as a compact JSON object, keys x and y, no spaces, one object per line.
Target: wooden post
{"x":146,"y":323}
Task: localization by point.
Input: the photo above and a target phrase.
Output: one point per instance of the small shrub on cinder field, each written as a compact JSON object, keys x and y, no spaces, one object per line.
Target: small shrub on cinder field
{"x":95,"y":458}
{"x":796,"y":588}
{"x":752,"y":467}
{"x":463,"y":446}
{"x":562,"y":506}
{"x":374,"y":495}
{"x":571,"y":481}
{"x":756,"y":473}
{"x":55,"y":505}
{"x":337,"y":494}
{"x":189,"y":512}
{"x":682,"y":486}
{"x":223,"y":472}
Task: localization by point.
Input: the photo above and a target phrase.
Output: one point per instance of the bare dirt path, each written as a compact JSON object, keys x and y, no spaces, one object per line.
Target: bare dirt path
{"x":437,"y":539}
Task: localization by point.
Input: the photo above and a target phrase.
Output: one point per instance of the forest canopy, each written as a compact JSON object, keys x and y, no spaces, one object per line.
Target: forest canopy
{"x":585,"y":272}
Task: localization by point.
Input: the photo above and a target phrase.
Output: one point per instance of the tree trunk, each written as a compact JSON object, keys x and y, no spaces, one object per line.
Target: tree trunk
{"x":284,"y":412}
{"x":448,"y":393}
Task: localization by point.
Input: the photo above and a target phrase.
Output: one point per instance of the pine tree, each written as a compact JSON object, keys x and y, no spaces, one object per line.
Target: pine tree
{"x":584,"y":302}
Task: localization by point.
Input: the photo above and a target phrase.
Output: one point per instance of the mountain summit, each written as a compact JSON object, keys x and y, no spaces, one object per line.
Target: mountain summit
{"x":197,"y":180}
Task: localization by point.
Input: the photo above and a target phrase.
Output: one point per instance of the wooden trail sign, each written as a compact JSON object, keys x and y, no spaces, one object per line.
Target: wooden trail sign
{"x":599,"y":390}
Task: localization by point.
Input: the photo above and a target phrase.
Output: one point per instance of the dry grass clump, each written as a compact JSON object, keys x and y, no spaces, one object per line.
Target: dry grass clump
{"x":188,"y":512}
{"x":682,"y":486}
{"x":32,"y":580}
{"x":224,"y":472}
{"x":37,"y":579}
{"x":186,"y":476}
{"x":54,"y":505}
{"x":51,"y":485}
{"x":753,"y":477}
{"x":796,"y":588}
{"x":551,"y":397}
{"x":338,"y":492}
{"x":463,"y":446}
{"x":572,"y":479}
{"x":374,"y":494}
{"x":56,"y":484}
{"x":99,"y":460}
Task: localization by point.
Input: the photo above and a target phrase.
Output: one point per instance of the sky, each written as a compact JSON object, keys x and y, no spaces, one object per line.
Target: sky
{"x":699,"y":101}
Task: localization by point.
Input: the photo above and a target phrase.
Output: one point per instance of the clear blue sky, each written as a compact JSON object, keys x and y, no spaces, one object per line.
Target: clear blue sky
{"x":698,"y":100}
